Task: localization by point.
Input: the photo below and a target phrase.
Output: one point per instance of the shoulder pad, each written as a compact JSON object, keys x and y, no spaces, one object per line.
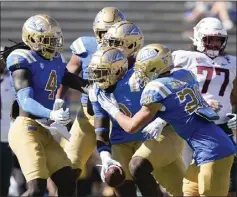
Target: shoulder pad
{"x":83,"y":45}
{"x":154,"y":92}
{"x":20,"y":58}
{"x":180,"y":58}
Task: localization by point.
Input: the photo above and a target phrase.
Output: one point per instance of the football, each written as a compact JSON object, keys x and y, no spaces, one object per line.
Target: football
{"x":115,"y":176}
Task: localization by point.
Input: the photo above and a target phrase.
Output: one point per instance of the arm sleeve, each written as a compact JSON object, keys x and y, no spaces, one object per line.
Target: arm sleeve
{"x":74,"y":81}
{"x":28,"y":104}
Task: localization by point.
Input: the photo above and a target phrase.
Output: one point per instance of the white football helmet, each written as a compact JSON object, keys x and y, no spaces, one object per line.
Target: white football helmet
{"x":204,"y":30}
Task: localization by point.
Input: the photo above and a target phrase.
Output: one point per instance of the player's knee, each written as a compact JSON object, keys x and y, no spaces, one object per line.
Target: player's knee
{"x":37,"y":187}
{"x":139,"y":167}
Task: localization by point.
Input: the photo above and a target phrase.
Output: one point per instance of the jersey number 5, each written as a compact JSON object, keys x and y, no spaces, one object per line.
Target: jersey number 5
{"x":218,"y":71}
{"x":51,"y":85}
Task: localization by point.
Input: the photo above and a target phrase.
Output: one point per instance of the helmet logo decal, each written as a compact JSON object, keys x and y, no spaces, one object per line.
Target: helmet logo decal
{"x":148,"y":54}
{"x":131,"y":30}
{"x":36,"y":26}
{"x":114,"y":57}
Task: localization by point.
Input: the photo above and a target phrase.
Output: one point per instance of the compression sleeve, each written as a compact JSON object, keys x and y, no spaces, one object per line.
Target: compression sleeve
{"x":28,"y":104}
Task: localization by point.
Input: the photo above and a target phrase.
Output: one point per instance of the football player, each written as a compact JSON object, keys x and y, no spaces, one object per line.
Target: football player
{"x":216,"y":74}
{"x":36,"y":72}
{"x":175,"y":97}
{"x":138,"y":159}
{"x":83,"y":140}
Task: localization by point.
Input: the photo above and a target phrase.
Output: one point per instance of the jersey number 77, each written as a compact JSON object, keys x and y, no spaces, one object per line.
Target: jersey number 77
{"x":210,"y":72}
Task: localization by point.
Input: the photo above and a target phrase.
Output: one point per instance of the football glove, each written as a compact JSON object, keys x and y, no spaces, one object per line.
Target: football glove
{"x":232,"y":121}
{"x":106,"y":162}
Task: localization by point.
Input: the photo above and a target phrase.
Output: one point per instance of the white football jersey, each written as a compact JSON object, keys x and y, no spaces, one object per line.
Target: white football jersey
{"x":215,"y":76}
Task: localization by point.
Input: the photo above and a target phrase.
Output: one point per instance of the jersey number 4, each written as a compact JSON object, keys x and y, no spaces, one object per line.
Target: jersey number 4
{"x":51,"y":85}
{"x":210,"y":71}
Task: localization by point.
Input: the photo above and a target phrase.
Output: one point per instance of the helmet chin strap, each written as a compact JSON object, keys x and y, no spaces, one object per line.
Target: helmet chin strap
{"x":212,"y":53}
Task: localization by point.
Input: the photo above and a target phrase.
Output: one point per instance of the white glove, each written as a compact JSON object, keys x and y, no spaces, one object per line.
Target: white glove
{"x":134,"y":83}
{"x":215,"y":105}
{"x":93,"y":92}
{"x":106,"y":162}
{"x":154,"y":129}
{"x":60,"y":116}
{"x":57,"y":129}
{"x":108,"y":103}
{"x":58,"y":103}
{"x":232,"y":121}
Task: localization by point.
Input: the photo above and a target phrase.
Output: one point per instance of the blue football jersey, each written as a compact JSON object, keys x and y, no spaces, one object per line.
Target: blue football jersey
{"x":185,"y":109}
{"x":46,"y":75}
{"x":84,"y":47}
{"x":129,"y":103}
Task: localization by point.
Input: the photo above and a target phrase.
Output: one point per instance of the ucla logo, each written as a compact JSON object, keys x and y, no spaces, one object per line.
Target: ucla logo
{"x":148,"y":54}
{"x":36,"y":26}
{"x":115,"y":56}
{"x":132,"y":30}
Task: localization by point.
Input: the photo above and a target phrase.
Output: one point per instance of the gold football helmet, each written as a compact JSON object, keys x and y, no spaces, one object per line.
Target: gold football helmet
{"x":43,"y":34}
{"x":104,"y":19}
{"x":126,"y":36}
{"x":151,"y":61}
{"x":107,"y":66}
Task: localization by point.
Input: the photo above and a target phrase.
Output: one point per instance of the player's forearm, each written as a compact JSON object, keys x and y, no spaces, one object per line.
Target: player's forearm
{"x":62,"y":91}
{"x":29,"y":105}
{"x":127,"y":123}
{"x":102,"y":140}
{"x":75,"y":82}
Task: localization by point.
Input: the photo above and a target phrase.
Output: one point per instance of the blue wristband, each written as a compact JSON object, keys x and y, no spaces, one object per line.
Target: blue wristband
{"x":102,"y":130}
{"x":104,"y":148}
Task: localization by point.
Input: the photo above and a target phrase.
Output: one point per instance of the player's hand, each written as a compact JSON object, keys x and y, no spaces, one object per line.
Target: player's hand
{"x":105,"y":167}
{"x":106,"y":162}
{"x":58,"y":129}
{"x":134,"y":83}
{"x":60,"y":116}
{"x":232,"y":121}
{"x":215,"y":105}
{"x":58,"y":103}
{"x":154,"y":129}
{"x":108,"y":103}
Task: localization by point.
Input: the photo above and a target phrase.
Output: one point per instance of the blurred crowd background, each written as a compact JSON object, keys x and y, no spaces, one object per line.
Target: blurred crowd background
{"x":169,"y":23}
